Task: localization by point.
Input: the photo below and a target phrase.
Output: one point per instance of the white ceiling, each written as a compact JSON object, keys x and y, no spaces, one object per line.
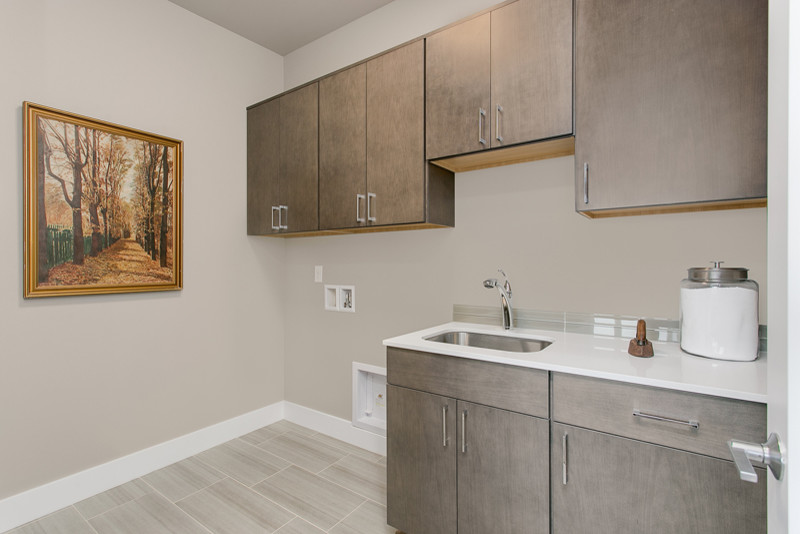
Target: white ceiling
{"x":281,"y":25}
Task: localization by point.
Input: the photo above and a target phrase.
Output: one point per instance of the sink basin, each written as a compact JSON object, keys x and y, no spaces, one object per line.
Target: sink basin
{"x":491,"y":341}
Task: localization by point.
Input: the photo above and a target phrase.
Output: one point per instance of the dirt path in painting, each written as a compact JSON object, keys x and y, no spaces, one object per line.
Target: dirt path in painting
{"x":123,"y":263}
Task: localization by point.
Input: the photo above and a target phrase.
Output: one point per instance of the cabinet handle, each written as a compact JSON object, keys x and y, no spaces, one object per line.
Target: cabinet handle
{"x":283,"y":224}
{"x":444,"y":426}
{"x":274,"y":226}
{"x":370,"y":217}
{"x":497,"y":123}
{"x":694,"y":424}
{"x":564,"y":459}
{"x":585,"y":183}
{"x":464,"y":431}
{"x":481,"y":116}
{"x":359,"y":197}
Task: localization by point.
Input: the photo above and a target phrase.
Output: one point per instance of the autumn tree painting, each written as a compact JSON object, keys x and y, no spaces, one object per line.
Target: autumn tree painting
{"x":107,"y":215}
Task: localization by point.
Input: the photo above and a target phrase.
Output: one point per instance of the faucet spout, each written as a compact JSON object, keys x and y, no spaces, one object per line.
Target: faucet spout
{"x":505,"y":298}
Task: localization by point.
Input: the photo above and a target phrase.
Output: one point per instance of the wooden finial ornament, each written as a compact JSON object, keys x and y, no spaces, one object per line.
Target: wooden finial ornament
{"x":640,"y":347}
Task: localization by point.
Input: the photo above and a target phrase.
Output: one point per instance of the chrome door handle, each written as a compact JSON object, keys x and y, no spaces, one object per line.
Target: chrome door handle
{"x":283,"y":224}
{"x":274,"y":226}
{"x":481,"y":116}
{"x":585,"y":183}
{"x":768,"y":453}
{"x":444,"y":426}
{"x":464,"y":431}
{"x":497,"y":135}
{"x":694,"y":424}
{"x":370,"y":217}
{"x":564,"y":459}
{"x":359,"y":198}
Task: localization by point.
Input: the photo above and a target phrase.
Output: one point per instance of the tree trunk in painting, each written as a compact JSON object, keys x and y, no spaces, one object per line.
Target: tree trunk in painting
{"x":94,"y":200}
{"x":77,"y":193}
{"x":162,"y":253}
{"x":41,"y":262}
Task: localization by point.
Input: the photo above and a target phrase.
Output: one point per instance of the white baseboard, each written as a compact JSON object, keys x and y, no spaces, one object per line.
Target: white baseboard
{"x":335,"y":427}
{"x":38,"y":502}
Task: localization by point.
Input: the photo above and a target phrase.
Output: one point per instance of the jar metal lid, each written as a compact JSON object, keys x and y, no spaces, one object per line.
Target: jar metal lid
{"x":717,"y":273}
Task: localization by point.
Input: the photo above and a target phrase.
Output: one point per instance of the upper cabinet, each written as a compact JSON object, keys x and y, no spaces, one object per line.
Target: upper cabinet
{"x":371,"y":140}
{"x":670,"y":105}
{"x":282,"y":164}
{"x":500,"y":79}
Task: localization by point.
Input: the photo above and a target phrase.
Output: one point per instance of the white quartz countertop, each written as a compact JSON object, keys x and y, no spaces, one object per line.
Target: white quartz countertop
{"x":608,"y":358}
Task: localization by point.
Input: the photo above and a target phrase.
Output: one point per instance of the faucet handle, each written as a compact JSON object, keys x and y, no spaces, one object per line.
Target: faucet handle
{"x":506,"y":283}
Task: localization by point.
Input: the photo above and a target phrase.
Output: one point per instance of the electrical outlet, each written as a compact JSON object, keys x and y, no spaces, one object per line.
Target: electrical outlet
{"x":318,"y":273}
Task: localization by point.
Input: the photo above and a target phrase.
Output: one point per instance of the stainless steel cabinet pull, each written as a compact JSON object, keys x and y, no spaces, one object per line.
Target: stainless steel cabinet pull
{"x":283,"y":223}
{"x":359,"y":198}
{"x":370,"y":217}
{"x":694,"y":424}
{"x":585,"y":183}
{"x":481,"y":116}
{"x":464,"y":431}
{"x":276,"y":226}
{"x":444,"y":426}
{"x":497,"y":123}
{"x":564,"y":459}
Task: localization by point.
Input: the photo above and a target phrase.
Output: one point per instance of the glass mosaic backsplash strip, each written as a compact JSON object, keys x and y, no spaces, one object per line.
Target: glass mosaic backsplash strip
{"x":581,"y":323}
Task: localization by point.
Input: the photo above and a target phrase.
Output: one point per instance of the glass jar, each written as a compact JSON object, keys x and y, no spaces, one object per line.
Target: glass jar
{"x":719,"y":313}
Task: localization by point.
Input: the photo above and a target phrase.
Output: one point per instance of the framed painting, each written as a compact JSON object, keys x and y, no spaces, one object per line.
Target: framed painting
{"x":103,"y":207}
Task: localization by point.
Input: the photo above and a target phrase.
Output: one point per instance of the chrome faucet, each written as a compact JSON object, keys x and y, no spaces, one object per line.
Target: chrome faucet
{"x":505,"y":297}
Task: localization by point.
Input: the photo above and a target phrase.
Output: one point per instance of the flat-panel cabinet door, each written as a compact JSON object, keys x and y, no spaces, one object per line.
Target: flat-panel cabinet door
{"x":503,"y":471}
{"x":531,"y":71}
{"x":458,"y":89}
{"x":421,"y":462}
{"x":670,"y":102}
{"x":298,"y":159}
{"x":396,"y":136}
{"x":607,"y":484}
{"x":342,"y":148}
{"x":262,"y":168}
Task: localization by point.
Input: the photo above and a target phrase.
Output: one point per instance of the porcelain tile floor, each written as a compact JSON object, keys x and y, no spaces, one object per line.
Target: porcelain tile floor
{"x":282,"y":479}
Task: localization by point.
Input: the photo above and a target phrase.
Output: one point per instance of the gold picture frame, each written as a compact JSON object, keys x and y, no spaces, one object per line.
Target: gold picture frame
{"x":120,"y":187}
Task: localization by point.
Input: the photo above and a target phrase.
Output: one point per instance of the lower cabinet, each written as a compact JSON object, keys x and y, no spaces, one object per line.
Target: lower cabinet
{"x":470,"y":450}
{"x":605,"y":483}
{"x":455,"y":466}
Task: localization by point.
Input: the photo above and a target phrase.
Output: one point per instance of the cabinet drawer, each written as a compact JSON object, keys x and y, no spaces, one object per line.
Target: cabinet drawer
{"x":609,"y":407}
{"x":518,"y":389}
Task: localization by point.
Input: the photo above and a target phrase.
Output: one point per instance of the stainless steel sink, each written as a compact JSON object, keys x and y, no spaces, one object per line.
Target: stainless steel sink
{"x":490,"y":341}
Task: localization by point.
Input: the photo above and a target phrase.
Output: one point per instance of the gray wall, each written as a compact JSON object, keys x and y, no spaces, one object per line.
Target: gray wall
{"x":84,"y":380}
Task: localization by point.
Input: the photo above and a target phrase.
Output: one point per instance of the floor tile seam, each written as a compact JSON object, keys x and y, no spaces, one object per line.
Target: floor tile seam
{"x":261,"y":495}
{"x":342,"y":520}
{"x":91,"y":527}
{"x":351,"y":490}
{"x":156,"y":491}
{"x":202,"y":489}
{"x":74,"y":505}
{"x":174,"y":504}
{"x":224,"y":474}
{"x":272,"y":475}
{"x":357,"y":494}
{"x":332,"y":482}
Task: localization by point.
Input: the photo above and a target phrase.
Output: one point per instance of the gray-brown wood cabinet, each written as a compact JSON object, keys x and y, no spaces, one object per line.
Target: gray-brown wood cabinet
{"x":470,"y":449}
{"x":372,"y":160}
{"x":282,"y":164}
{"x":628,"y":458}
{"x":502,"y":78}
{"x":670,"y":105}
{"x":615,"y":485}
{"x":455,"y":462}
